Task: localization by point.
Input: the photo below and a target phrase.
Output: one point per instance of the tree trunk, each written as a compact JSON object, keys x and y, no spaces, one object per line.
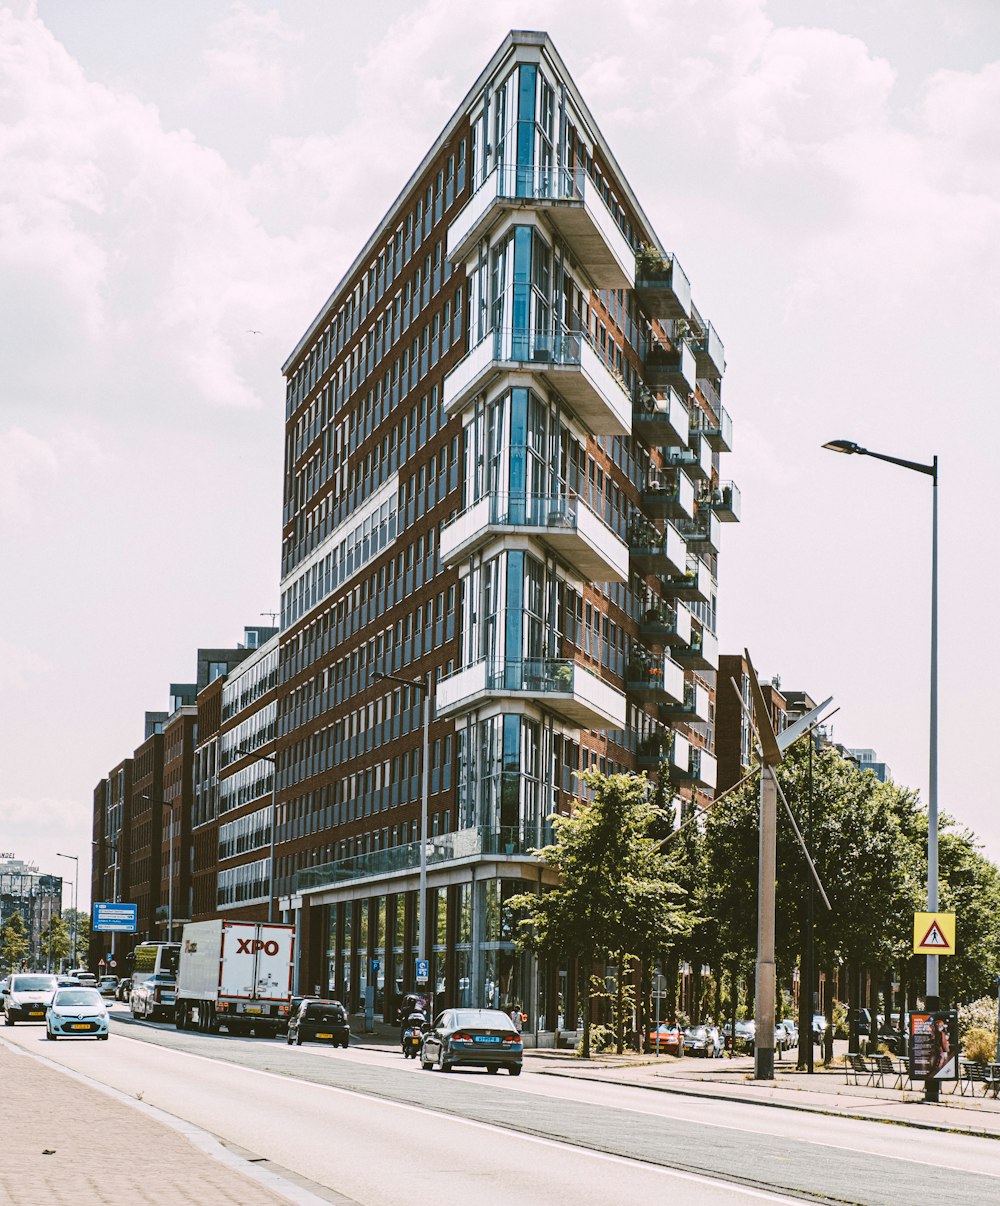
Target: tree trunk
{"x":717,"y":1017}
{"x":828,"y":1011}
{"x":642,"y":1006}
{"x":586,"y":965}
{"x":696,"y":991}
{"x":620,"y":1005}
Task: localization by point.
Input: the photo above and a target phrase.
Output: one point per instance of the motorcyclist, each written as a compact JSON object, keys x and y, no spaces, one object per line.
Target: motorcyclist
{"x":416,"y":1018}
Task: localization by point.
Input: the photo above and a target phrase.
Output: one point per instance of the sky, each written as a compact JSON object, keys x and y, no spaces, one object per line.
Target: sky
{"x":183,"y":185}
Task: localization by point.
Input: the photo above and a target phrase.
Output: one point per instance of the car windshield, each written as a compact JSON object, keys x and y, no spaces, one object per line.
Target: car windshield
{"x":32,"y":983}
{"x":479,"y":1019}
{"x":77,"y":996}
{"x":697,"y":1032}
{"x":321,"y":1009}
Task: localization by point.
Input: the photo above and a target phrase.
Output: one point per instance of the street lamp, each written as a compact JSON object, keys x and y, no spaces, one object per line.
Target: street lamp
{"x":423,"y":687}
{"x":850,"y":448}
{"x":274,"y":817}
{"x":76,"y":883}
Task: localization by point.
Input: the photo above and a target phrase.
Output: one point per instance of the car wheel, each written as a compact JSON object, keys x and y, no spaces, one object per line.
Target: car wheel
{"x":492,"y":1069}
{"x":103,"y":1037}
{"x":49,"y":1035}
{"x":8,"y":1020}
{"x":345,"y":1043}
{"x":443,"y":1064}
{"x":514,"y":1069}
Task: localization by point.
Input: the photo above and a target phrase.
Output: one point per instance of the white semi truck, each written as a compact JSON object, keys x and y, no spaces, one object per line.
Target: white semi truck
{"x":236,"y":974}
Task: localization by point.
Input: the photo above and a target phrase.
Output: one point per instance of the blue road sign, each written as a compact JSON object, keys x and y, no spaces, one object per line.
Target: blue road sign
{"x":423,"y":971}
{"x":110,"y":916}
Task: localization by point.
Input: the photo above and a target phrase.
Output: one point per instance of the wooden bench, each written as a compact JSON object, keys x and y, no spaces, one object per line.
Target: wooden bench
{"x":855,"y":1067}
{"x":972,"y":1074}
{"x":879,"y":1067}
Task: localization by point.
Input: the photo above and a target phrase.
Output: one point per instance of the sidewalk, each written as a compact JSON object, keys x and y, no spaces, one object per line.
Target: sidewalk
{"x":67,"y":1142}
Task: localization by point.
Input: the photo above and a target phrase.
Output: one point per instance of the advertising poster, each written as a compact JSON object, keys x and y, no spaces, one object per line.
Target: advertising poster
{"x":934,"y":1046}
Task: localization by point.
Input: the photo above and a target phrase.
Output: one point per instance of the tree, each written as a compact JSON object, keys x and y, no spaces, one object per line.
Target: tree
{"x":614,"y":898}
{"x":54,"y":942}
{"x":82,"y":932}
{"x":14,"y":944}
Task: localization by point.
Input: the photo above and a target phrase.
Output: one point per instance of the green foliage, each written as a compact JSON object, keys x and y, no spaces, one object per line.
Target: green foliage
{"x":82,"y":933}
{"x":840,"y":1022}
{"x":14,"y":945}
{"x":55,"y":939}
{"x":978,"y":1015}
{"x":980,"y":1045}
{"x":614,"y":895}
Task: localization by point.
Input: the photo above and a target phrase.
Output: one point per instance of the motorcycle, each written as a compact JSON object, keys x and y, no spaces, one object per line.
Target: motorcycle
{"x":413,"y":1038}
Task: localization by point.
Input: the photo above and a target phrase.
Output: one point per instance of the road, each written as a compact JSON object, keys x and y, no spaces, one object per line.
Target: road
{"x":375,"y":1129}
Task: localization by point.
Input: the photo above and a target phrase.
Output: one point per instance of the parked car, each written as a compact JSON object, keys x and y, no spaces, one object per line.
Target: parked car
{"x":791,"y":1032}
{"x":76,"y":1013}
{"x":479,"y":1038}
{"x":27,"y":997}
{"x":667,"y":1038}
{"x":819,"y":1027}
{"x":699,"y":1040}
{"x":321,"y":1022}
{"x":107,"y":986}
{"x":124,"y":988}
{"x":87,"y":978}
{"x":4,"y":988}
{"x":154,"y":997}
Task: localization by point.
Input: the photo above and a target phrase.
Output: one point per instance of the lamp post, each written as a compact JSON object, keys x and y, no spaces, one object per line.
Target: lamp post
{"x":933,"y":1001}
{"x":76,"y":883}
{"x":274,"y":817}
{"x":419,"y":685}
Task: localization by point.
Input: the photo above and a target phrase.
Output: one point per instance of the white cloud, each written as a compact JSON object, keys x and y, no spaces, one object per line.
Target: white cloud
{"x":245,"y":54}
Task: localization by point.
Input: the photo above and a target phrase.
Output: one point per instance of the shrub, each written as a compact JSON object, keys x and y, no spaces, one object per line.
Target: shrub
{"x":977,"y":1015}
{"x":602,"y":1038}
{"x":979,"y":1045}
{"x":840,"y":1027}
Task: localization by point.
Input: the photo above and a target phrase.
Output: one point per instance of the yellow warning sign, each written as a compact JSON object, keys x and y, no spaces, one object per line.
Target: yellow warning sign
{"x":933,"y":933}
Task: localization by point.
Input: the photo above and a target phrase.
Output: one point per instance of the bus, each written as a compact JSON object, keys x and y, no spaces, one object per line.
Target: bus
{"x":150,"y":957}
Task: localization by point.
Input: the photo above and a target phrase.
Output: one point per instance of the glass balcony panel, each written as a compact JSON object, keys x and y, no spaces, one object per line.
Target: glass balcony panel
{"x":666,"y":624}
{"x":727,"y":502}
{"x":655,"y":552}
{"x":674,"y":366}
{"x":703,"y":533}
{"x":563,"y":523}
{"x":662,"y":286}
{"x":695,"y":460}
{"x":660,"y":420}
{"x":701,"y":652}
{"x":658,"y":680}
{"x":710,"y":354}
{"x":569,"y":363}
{"x":694,"y":586}
{"x":669,"y":494}
{"x":571,"y":203}
{"x":561,"y":685}
{"x":693,"y":707}
{"x":670,"y":747}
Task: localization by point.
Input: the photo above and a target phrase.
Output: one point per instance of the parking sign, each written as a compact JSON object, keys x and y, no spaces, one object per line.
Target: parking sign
{"x":423,"y":971}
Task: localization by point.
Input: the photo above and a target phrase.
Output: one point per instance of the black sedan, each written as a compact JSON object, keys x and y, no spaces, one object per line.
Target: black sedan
{"x":479,"y":1038}
{"x":321,"y":1022}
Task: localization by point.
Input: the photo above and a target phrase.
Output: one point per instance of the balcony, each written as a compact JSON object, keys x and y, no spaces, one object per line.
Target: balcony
{"x":719,"y":432}
{"x":653,"y":552}
{"x":572,"y":205}
{"x":662,"y":285}
{"x":659,"y":681}
{"x":568,"y":364}
{"x":726,"y":502}
{"x":674,"y":367}
{"x":669,"y":747}
{"x":563,"y":523}
{"x":703,"y":533}
{"x":701,"y":653}
{"x":571,"y":691}
{"x":709,"y":353}
{"x":666,"y":625}
{"x":461,"y":845}
{"x":660,"y":421}
{"x":693,"y":707}
{"x":701,"y":770}
{"x":694,"y":585}
{"x":669,"y":495}
{"x":696,"y":460}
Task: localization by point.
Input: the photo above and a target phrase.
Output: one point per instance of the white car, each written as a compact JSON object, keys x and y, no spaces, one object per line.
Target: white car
{"x":75,"y":1013}
{"x":27,"y":996}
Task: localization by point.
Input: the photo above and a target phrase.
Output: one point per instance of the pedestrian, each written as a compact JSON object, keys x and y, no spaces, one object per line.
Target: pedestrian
{"x":517,"y":1017}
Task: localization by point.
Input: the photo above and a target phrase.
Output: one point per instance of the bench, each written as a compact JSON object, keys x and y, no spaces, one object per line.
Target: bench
{"x":991,"y":1079}
{"x":972,"y":1075}
{"x":855,"y":1067}
{"x":879,"y":1067}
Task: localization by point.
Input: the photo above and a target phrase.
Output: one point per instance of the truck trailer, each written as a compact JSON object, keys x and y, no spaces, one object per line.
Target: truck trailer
{"x":236,"y":974}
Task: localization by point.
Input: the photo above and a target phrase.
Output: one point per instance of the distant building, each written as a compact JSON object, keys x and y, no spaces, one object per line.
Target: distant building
{"x":35,"y":895}
{"x":733,"y":739}
{"x":869,"y":760}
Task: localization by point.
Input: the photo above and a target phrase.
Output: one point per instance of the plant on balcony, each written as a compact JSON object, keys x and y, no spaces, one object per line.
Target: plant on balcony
{"x":562,"y":676}
{"x":649,"y":263}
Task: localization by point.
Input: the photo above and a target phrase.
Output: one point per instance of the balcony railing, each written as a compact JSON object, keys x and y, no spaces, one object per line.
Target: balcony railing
{"x":694,"y":585}
{"x":674,"y":366}
{"x":572,"y":204}
{"x":695,"y":460}
{"x":660,"y":420}
{"x":710,"y":354}
{"x":561,"y":685}
{"x":669,"y":494}
{"x":693,"y":706}
{"x":727,"y":502}
{"x":655,"y":552}
{"x":569,"y":363}
{"x":562,"y":522}
{"x":701,"y":652}
{"x":703,"y":532}
{"x":462,"y":844}
{"x":658,"y":680}
{"x":701,"y":770}
{"x":662,"y":285}
{"x":666,"y":625}
{"x":718,"y":432}
{"x":657,"y":748}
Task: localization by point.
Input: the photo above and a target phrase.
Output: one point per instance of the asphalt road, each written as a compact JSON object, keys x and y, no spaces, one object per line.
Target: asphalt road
{"x":374,"y":1127}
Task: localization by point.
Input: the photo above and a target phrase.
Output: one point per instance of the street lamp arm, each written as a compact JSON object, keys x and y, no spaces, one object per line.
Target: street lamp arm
{"x":244,"y":753}
{"x":408,"y":682}
{"x":849,"y":448}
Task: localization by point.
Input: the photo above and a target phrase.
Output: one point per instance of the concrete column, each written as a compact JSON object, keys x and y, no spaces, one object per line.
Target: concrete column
{"x":765,"y":984}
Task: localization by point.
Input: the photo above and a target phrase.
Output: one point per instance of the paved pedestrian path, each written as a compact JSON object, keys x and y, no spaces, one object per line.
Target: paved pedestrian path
{"x":67,"y":1142}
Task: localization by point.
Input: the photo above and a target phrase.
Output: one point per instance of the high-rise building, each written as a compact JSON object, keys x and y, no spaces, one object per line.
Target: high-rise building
{"x":502,"y":491}
{"x":37,"y":896}
{"x":867,"y":759}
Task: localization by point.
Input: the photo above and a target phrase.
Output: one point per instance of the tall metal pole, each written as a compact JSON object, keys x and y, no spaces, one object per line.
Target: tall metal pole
{"x":170,"y":881}
{"x":76,"y":878}
{"x":270,"y":859}
{"x":932,"y":1087}
{"x":811,"y":922}
{"x":764,"y":991}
